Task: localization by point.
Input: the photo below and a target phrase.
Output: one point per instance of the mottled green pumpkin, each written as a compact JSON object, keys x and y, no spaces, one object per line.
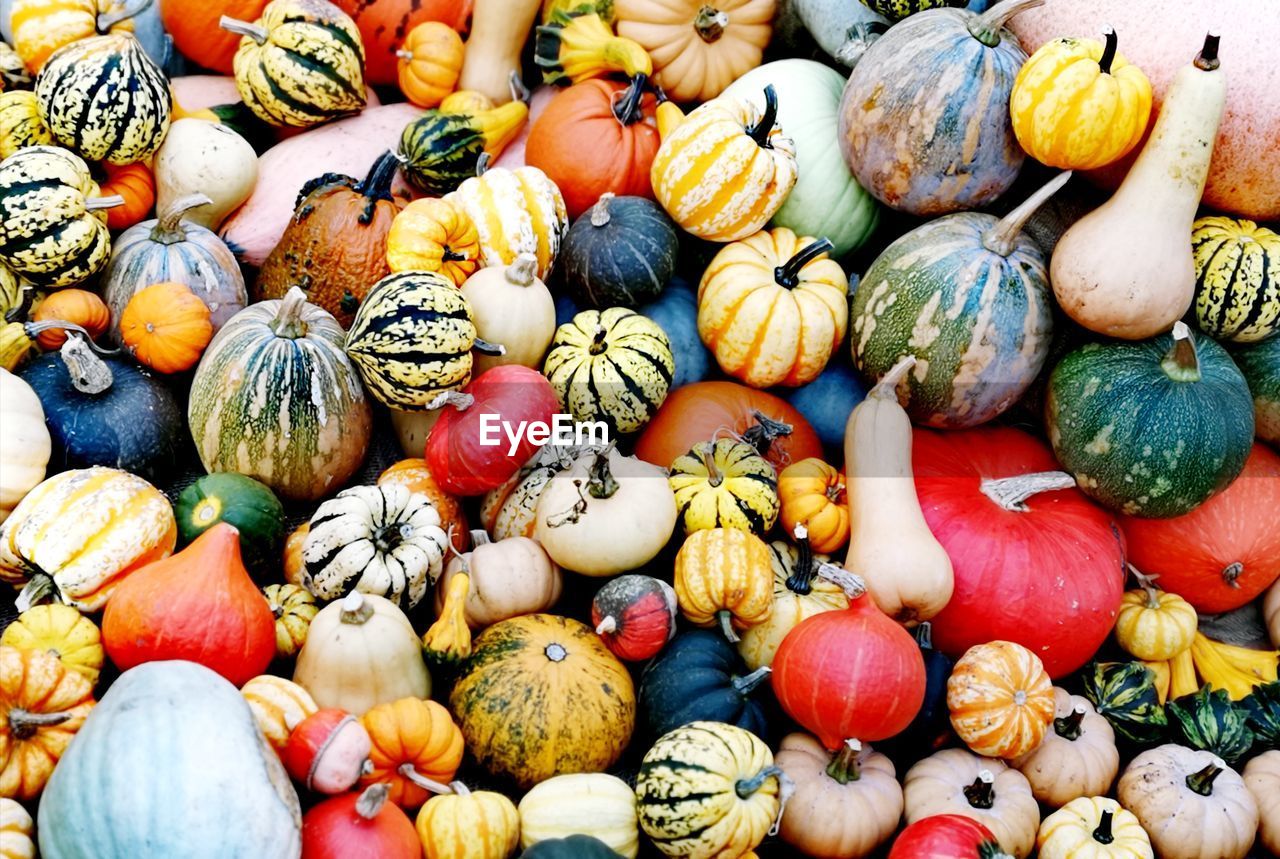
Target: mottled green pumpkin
{"x":896,"y":10}
{"x":620,"y":252}
{"x":1208,"y":720}
{"x":1124,"y":693}
{"x":1261,"y":709}
{"x":247,"y":504}
{"x":1260,"y":364}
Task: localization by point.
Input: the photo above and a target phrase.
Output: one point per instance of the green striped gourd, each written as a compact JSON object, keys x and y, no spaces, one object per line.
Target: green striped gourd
{"x":1237,"y":279}
{"x":518,"y":211}
{"x":1124,"y":693}
{"x":21,"y":123}
{"x":1150,"y":428}
{"x":106,"y":99}
{"x":968,"y":295}
{"x":1260,"y":364}
{"x":275,"y":398}
{"x":441,"y":151}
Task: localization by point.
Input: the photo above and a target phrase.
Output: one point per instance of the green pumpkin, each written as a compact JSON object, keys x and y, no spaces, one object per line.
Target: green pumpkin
{"x":1208,"y":720}
{"x":1125,"y":694}
{"x":441,"y":151}
{"x":573,"y":847}
{"x":1151,"y":428}
{"x":699,"y":676}
{"x":241,"y":501}
{"x":620,"y":253}
{"x":1262,"y":714}
{"x":1260,"y":364}
{"x":896,"y":10}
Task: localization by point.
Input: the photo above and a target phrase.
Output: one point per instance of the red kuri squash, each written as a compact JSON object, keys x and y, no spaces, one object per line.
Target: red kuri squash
{"x":385,"y":23}
{"x":946,"y":836}
{"x":359,"y":824}
{"x":193,"y":24}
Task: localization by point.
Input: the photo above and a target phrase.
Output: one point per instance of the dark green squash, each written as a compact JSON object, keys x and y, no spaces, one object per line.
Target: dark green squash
{"x":1125,"y":694}
{"x":621,"y":252}
{"x":930,"y":730}
{"x":700,"y":677}
{"x":1260,"y":364}
{"x":573,"y":847}
{"x":1208,"y":720}
{"x":1262,"y":714}
{"x":1151,"y":428}
{"x":247,"y":504}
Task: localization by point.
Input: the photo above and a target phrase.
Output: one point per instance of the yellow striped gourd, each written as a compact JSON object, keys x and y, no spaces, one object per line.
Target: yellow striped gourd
{"x":516,"y":212}
{"x":1237,"y":279}
{"x":13,"y":71}
{"x":725,"y":484}
{"x":21,"y":123}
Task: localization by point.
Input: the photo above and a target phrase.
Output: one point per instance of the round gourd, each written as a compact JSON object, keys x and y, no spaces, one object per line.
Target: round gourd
{"x":699,"y":677}
{"x":293,"y":608}
{"x":434,"y":235}
{"x":241,"y":501}
{"x":37,"y":29}
{"x":479,"y":825}
{"x":1077,"y":757}
{"x":1260,"y":364}
{"x":635,"y":616}
{"x":594,"y":804}
{"x":509,"y":510}
{"x":384,"y":25}
{"x":21,"y":124}
{"x":414,"y":475}
{"x":1125,"y":694}
{"x":1000,"y":699}
{"x":725,"y":484}
{"x":76,"y":306}
{"x":428,"y":63}
{"x":569,"y":703}
{"x":620,"y":253}
{"x":812,"y":494}
{"x":414,"y":742}
{"x":1093,"y":826}
{"x":573,"y":847}
{"x":25,"y":444}
{"x":1154,"y":625}
{"x":63,"y":631}
{"x":1209,"y":720}
{"x":515,"y":211}
{"x":345,"y":825}
{"x":326,"y":751}
{"x":507,"y":578}
{"x":17,"y":832}
{"x":512,"y":307}
{"x":1262,"y":777}
{"x":199,"y":156}
{"x":166,"y":327}
{"x":136,"y":184}
{"x":1237,"y":279}
{"x":945,"y":836}
{"x":676,"y":312}
{"x":278,"y":707}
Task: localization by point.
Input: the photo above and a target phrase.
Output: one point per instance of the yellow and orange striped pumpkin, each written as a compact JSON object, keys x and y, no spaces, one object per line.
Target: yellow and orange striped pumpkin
{"x":514,"y":212}
{"x":432,"y":234}
{"x":724,"y":577}
{"x":726,"y":169}
{"x":812,"y":494}
{"x":40,"y":27}
{"x":773,"y":308}
{"x":1000,"y":699}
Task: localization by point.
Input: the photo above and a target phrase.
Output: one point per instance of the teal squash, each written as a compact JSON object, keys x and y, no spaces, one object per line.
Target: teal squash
{"x":275,"y":398}
{"x":1260,"y":364}
{"x":841,"y":28}
{"x":1152,"y":428}
{"x":1261,"y":709}
{"x":827,"y":401}
{"x":699,"y":676}
{"x":170,"y":763}
{"x":1208,"y":720}
{"x":968,"y":295}
{"x":620,"y":253}
{"x":573,"y":847}
{"x":676,"y":312}
{"x":924,"y":118}
{"x":248,"y":504}
{"x":1125,"y":694}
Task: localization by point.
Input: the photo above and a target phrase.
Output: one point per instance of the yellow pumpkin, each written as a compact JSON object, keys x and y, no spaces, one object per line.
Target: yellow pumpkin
{"x":1078,"y":104}
{"x":60,"y":630}
{"x":1093,"y":827}
{"x":514,"y":212}
{"x":434,"y":235}
{"x":812,"y":494}
{"x":725,"y":484}
{"x":467,"y":825}
{"x":42,"y":706}
{"x":430,"y":61}
{"x":1000,"y":699}
{"x":40,"y":27}
{"x":773,"y":308}
{"x":17,"y":830}
{"x":724,"y":576}
{"x":726,"y":169}
{"x":596,"y":804}
{"x":293,"y":608}
{"x":278,"y":705}
{"x":21,"y":123}
{"x":1154,"y":625}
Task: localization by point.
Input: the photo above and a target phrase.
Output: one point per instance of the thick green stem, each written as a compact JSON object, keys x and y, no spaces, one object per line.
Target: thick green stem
{"x":1181,"y":363}
{"x":1202,"y":782}
{"x":844,"y":763}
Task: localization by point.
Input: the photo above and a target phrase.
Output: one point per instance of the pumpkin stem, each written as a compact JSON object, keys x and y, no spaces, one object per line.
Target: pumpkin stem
{"x":515,"y":85}
{"x":709,"y":23}
{"x":482,"y":163}
{"x":110,"y":201}
{"x":89,"y":373}
{"x":20,"y":311}
{"x":745,"y":684}
{"x":788,"y":274}
{"x":34,"y":329}
{"x":480,"y":537}
{"x":626,"y":103}
{"x":766,"y":429}
{"x":851,"y":583}
{"x":987,"y":26}
{"x":600,"y":480}
{"x":243,"y":28}
{"x":981,"y":794}
{"x":1102,"y":834}
{"x":523,"y":271}
{"x":457,"y":399}
{"x":708,"y":454}
{"x":1108,"y":50}
{"x":600,"y":211}
{"x":1207,"y":60}
{"x":597,"y":340}
{"x":924,"y":635}
{"x":40,"y":589}
{"x":1068,"y":727}
{"x":764,"y":126}
{"x":844,"y":763}
{"x":370,"y":803}
{"x":725,"y":618}
{"x":608,"y":626}
{"x":107,"y":20}
{"x":377,"y":184}
{"x":1181,"y":363}
{"x":1202,"y":782}
{"x":1231,"y":572}
{"x":484,"y":347}
{"x":355,"y":609}
{"x":429,"y":784}
{"x":1002,"y":235}
{"x":1011,"y":493}
{"x":887,"y":387}
{"x":24,"y":723}
{"x":1148,"y":585}
{"x":405,"y":55}
{"x":288,"y":322}
{"x":856,"y":41}
{"x":388,"y":537}
{"x":168,"y":229}
{"x":746,"y":787}
{"x":801,"y":579}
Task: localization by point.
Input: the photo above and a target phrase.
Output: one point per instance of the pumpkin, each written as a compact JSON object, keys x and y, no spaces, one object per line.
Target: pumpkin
{"x":1077,"y":757}
{"x":620,"y":253}
{"x":348,"y":636}
{"x":166,"y":327}
{"x":956,"y":150}
{"x":828,"y":400}
{"x":335,"y":247}
{"x":946,"y":836}
{"x":195,"y":32}
{"x":18,"y":832}
{"x":725,"y":484}
{"x":414,"y":741}
{"x":723,"y":577}
{"x":708,"y":789}
{"x":44,"y":703}
{"x":280,"y":365}
{"x":201,"y":156}
{"x":60,"y":630}
{"x":676,"y":312}
{"x":1207,"y":720}
{"x":509,"y":510}
{"x":414,"y":475}
{"x":278,"y":706}
{"x":1262,"y":777}
{"x":1259,"y":362}
{"x":599,"y":137}
{"x":574,"y":45}
{"x":241,"y":501}
{"x":812,"y":493}
{"x":1154,"y":625}
{"x":384,"y":27}
{"x":1094,"y":826}
{"x":326,"y":751}
{"x":726,"y":169}
{"x":1079,"y":104}
{"x":514,"y":211}
{"x":1190,"y":802}
{"x":444,"y":147}
{"x":698,"y":48}
{"x":82,"y":532}
{"x":700,"y":677}
{"x":24,"y":446}
{"x":354,"y":822}
{"x":595,"y":804}
{"x":1237,"y":270}
{"x":1000,"y":699}
{"x":466,"y":825}
{"x":428,"y":63}
{"x":160,"y":715}
{"x":136,"y":184}
{"x":569,"y":705}
{"x":955,"y":781}
{"x":38,"y":29}
{"x":1125,"y":694}
{"x":293,"y":608}
{"x":434,"y":235}
{"x":512,"y":307}
{"x":510,"y":577}
{"x":21,"y":124}
{"x":76,"y":306}
{"x":585,"y":517}
{"x":846,"y":804}
{"x":53,"y":231}
{"x":300,"y":64}
{"x":635,"y":616}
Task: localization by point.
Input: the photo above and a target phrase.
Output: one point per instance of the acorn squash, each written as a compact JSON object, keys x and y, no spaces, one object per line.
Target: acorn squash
{"x":700,"y":677}
{"x":1208,"y":720}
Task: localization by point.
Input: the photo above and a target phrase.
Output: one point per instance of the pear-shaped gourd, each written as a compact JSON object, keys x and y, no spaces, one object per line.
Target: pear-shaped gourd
{"x":513,"y":307}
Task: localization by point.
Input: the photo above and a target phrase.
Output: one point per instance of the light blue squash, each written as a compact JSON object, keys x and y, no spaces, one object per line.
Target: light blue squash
{"x":170,"y":765}
{"x":827,"y":401}
{"x":842,"y":28}
{"x":676,"y":311}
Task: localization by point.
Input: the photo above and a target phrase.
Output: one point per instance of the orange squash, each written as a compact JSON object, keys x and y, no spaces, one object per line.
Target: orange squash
{"x":193,"y":24}
{"x":415,"y":743}
{"x":430,"y":61}
{"x":1000,"y":699}
{"x":77,"y":306}
{"x":724,"y":576}
{"x":434,"y":235}
{"x":37,"y":28}
{"x":291,"y":557}
{"x":812,"y":494}
{"x":136,"y":184}
{"x":42,"y":705}
{"x":385,"y":23}
{"x":166,"y":326}
{"x":414,"y":475}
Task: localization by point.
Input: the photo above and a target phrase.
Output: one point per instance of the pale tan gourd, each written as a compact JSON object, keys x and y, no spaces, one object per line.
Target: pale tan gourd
{"x":890,"y":545}
{"x":202,"y":157}
{"x":1125,"y":269}
{"x":507,"y":578}
{"x":361,"y":652}
{"x":596,"y":804}
{"x":1271,"y":613}
{"x":24,"y":442}
{"x":1262,"y":777}
{"x":513,"y":307}
{"x":1077,"y":757}
{"x":498,"y":32}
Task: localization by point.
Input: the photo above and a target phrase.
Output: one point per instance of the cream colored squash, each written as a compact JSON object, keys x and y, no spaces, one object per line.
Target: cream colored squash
{"x":1077,"y":757}
{"x":412,"y":428}
{"x":24,"y":442}
{"x":595,"y":804}
{"x":17,"y":831}
{"x":202,"y":157}
{"x":1262,"y":777}
{"x":514,"y":309}
{"x":508,"y":578}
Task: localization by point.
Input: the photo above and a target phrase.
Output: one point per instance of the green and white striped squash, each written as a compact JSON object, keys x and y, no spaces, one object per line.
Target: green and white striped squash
{"x":170,"y":763}
{"x":611,"y":365}
{"x":441,"y":151}
{"x":725,"y":483}
{"x":275,"y":398}
{"x":518,"y":211}
{"x":1124,"y":693}
{"x":1151,"y":428}
{"x":1260,"y":364}
{"x":412,"y":338}
{"x":968,"y":295}
{"x":1237,"y":279}
{"x":53,"y":223}
{"x":106,"y":99}
{"x":21,"y":123}
{"x":381,"y":540}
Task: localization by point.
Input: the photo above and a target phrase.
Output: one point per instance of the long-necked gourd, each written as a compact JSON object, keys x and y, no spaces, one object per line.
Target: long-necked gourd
{"x":1125,"y":269}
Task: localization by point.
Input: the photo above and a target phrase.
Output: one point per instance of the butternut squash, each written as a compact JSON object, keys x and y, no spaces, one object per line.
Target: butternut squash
{"x":498,"y":32}
{"x":1125,"y":269}
{"x":890,"y":546}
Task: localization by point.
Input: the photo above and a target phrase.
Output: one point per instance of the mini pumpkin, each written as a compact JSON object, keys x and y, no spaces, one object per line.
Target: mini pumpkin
{"x":63,"y":631}
{"x":635,"y":616}
{"x":77,"y":306}
{"x":327,"y":751}
{"x":293,"y":608}
{"x":278,"y":706}
{"x":1078,"y":758}
{"x":463,"y":824}
{"x":415,"y":743}
{"x":433,"y":234}
{"x":1000,"y":699}
{"x":429,"y":62}
{"x":166,"y":327}
{"x":812,"y":494}
{"x":42,"y":705}
{"x":17,"y":829}
{"x":21,"y":124}
{"x":514,"y":212}
{"x":505,"y":578}
{"x":414,"y":475}
{"x":725,"y":484}
{"x":1093,"y":826}
{"x":1237,"y":279}
{"x":136,"y":184}
{"x":1154,"y":625}
{"x":723,"y":576}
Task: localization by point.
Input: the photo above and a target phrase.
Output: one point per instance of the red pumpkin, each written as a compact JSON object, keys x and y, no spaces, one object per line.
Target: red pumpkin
{"x":199,"y":605}
{"x":635,"y":616}
{"x":384,"y":24}
{"x":1224,"y":553}
{"x":850,"y":674}
{"x":463,"y":465}
{"x":946,"y":836}
{"x":359,"y":824}
{"x":1048,"y":577}
{"x":707,"y":410}
{"x":327,"y":751}
{"x":596,"y":137}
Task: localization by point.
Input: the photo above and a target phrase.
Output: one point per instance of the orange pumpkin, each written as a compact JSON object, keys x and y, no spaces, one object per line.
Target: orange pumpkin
{"x":1000,"y":699}
{"x":77,"y":306}
{"x":414,"y":475}
{"x":136,"y":185}
{"x":414,"y":742}
{"x":166,"y":326}
{"x":430,"y":62}
{"x":385,"y":23}
{"x":291,"y":557}
{"x":434,"y":235}
{"x":42,"y":705}
{"x":193,"y":24}
{"x":812,"y":494}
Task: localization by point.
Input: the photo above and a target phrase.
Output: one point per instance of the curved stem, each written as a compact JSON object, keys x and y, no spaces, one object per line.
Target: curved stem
{"x":710,"y":23}
{"x":89,"y":374}
{"x":1202,"y":782}
{"x":924,"y":635}
{"x":600,"y":480}
{"x":39,"y":589}
{"x":761,"y":436}
{"x":981,"y":794}
{"x":761,"y":130}
{"x":1108,"y":50}
{"x":243,"y":28}
{"x":788,"y":274}
{"x":370,"y":803}
{"x":1148,"y":585}
{"x":22,"y":309}
{"x":724,"y":617}
{"x":24,"y":723}
{"x":626,"y":108}
{"x":986,"y":27}
{"x":34,"y":329}
{"x":110,"y":201}
{"x":745,"y":684}
{"x":598,"y":344}
{"x":107,"y":20}
{"x":1207,"y":60}
{"x":1103,"y":834}
{"x":428,"y":784}
{"x":288,"y":322}
{"x":844,"y":763}
{"x":887,"y":387}
{"x":168,"y":229}
{"x":851,"y":583}
{"x":1068,"y":727}
{"x":377,"y":184}
{"x":484,"y":347}
{"x":1002,"y":236}
{"x":515,"y":86}
{"x":1011,"y":493}
{"x":1181,"y":363}
{"x":801,"y":579}
{"x":745,"y":787}
{"x":482,"y":163}
{"x":600,"y":211}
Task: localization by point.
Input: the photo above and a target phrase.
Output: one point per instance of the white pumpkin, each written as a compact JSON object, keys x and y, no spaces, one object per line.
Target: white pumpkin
{"x":595,"y":804}
{"x":203,"y":157}
{"x":24,"y":443}
{"x":514,"y":309}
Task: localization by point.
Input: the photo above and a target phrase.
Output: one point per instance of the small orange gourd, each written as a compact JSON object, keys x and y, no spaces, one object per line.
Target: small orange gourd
{"x":77,"y":306}
{"x":430,"y":61}
{"x":724,"y":576}
{"x":1000,"y":699}
{"x":416,"y":746}
{"x":42,"y":705}
{"x":136,"y":185}
{"x":434,"y":235}
{"x":166,"y":326}
{"x":813,"y":495}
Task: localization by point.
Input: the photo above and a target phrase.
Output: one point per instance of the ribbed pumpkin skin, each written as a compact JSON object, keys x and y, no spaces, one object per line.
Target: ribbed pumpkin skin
{"x":1260,"y":364}
{"x":620,"y":253}
{"x":724,"y":570}
{"x":593,"y":805}
{"x":106,"y":99}
{"x":515,"y":211}
{"x":951,"y":150}
{"x":1237,"y":279}
{"x":21,"y":123}
{"x":540,"y":696}
{"x":432,"y":235}
{"x":288,"y":412}
{"x":170,"y":763}
{"x":698,"y":677}
{"x":725,"y":484}
{"x":1000,"y":699}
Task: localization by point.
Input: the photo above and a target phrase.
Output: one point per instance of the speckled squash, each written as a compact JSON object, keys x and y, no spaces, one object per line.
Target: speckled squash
{"x":1237,"y":279}
{"x":1260,"y":364}
{"x":21,"y":123}
{"x":514,"y":212}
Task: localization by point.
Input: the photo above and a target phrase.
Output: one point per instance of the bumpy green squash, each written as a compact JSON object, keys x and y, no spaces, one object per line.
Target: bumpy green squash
{"x":1260,"y":364}
{"x":1125,"y":694}
{"x":1208,"y":720}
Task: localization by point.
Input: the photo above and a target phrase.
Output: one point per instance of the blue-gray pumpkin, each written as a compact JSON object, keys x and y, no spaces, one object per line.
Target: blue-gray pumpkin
{"x":676,"y":312}
{"x":699,"y":676}
{"x":620,"y":253}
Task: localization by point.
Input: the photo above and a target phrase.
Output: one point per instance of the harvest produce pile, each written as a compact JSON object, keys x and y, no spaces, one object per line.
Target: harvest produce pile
{"x":470,"y":429}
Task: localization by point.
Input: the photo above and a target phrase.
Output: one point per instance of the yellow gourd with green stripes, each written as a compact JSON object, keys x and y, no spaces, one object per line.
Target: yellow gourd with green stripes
{"x":1237,"y":279}
{"x":725,"y":484}
{"x":21,"y":124}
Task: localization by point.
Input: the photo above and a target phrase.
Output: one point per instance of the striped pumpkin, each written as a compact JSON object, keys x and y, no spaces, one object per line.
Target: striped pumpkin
{"x":275,"y":398}
{"x":611,"y":365}
{"x":726,"y":169}
{"x":1260,"y":364}
{"x":21,"y":123}
{"x":1237,"y":279}
{"x":442,"y":150}
{"x":13,"y":71}
{"x":53,"y":227}
{"x":40,"y":27}
{"x":515,"y":211}
{"x":798,"y":594}
{"x":106,"y":99}
{"x":83,"y":531}
{"x":301,"y":64}
{"x":412,"y":338}
{"x":772,"y":308}
{"x":725,"y":484}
